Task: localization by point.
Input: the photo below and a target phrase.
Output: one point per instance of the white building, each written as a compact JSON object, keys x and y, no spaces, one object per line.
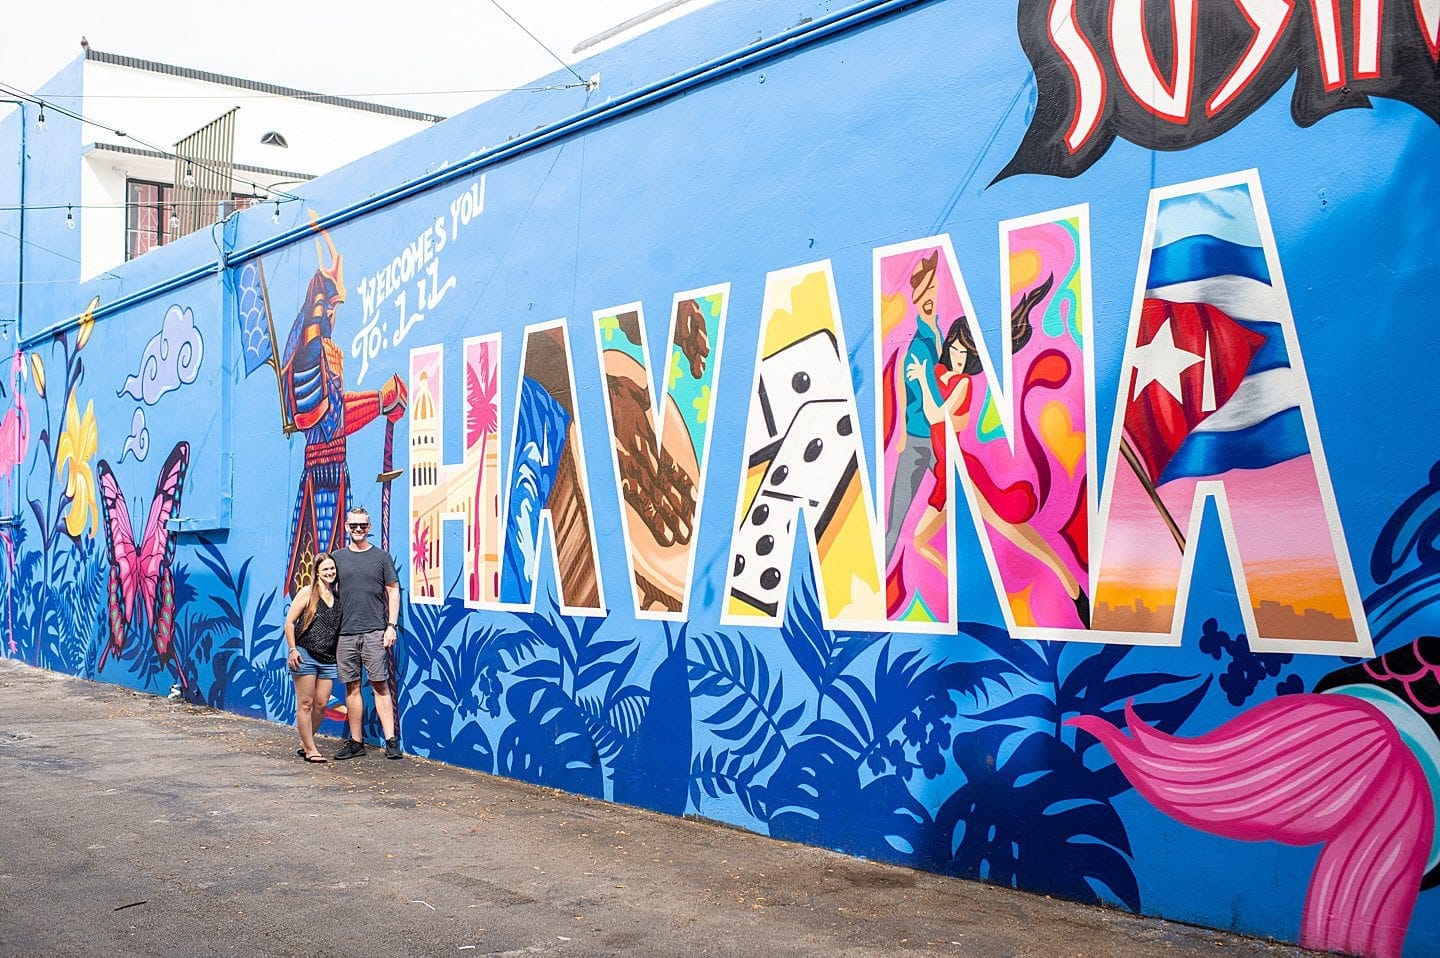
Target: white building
{"x":245,"y":137}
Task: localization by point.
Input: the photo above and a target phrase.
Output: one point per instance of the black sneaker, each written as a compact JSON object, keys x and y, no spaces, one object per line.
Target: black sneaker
{"x":392,"y":747}
{"x":351,"y":749}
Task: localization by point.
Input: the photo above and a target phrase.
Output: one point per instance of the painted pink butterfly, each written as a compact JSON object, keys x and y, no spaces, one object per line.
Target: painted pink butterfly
{"x":141,"y":582}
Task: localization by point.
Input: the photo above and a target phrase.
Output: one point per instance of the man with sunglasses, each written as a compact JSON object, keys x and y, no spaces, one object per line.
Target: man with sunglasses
{"x":369,"y":593}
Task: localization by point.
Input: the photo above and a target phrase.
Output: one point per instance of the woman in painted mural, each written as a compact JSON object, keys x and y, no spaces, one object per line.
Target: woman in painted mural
{"x":1006,"y":509}
{"x":316,"y":614}
{"x":1032,"y":505}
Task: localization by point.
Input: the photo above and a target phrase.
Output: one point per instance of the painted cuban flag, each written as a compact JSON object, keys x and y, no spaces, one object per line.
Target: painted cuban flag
{"x":1215,"y":405}
{"x":1213,"y":388}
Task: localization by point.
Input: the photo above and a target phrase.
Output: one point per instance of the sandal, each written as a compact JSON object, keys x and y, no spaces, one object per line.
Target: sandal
{"x":317,"y":759}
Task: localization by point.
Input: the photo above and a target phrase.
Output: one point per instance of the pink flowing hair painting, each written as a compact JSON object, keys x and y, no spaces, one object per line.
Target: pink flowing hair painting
{"x":1300,"y":770}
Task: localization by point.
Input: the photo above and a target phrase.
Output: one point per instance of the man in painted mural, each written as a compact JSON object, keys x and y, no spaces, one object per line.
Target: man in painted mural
{"x":313,"y":389}
{"x":369,"y":610}
{"x":915,"y":455}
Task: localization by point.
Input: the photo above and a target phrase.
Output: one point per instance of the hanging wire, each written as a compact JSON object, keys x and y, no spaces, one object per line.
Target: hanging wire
{"x":532,"y":36}
{"x":64,"y":111}
{"x":270,"y":96}
{"x":56,"y":253}
{"x":34,"y":207}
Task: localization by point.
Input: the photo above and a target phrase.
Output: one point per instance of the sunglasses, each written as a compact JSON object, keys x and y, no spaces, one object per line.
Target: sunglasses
{"x":358,"y":526}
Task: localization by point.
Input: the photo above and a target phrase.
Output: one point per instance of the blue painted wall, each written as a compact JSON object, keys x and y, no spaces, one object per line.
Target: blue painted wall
{"x":948,"y":747}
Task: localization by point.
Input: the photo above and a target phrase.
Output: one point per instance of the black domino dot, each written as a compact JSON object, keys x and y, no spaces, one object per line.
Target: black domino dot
{"x":844,"y":427}
{"x":800,"y":382}
{"x":765,"y":546}
{"x":779,"y":475}
{"x":762,"y":513}
{"x":770,"y":578}
{"x":812,"y":451}
{"x":739,"y":564}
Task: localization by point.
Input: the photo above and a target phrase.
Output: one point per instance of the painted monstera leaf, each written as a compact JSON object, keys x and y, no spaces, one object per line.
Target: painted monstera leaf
{"x":548,"y":743}
{"x":446,"y":737}
{"x":1037,"y":819}
{"x":816,"y":796}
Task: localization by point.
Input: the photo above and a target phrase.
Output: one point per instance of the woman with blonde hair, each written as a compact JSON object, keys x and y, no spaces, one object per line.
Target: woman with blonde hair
{"x":315,"y":613}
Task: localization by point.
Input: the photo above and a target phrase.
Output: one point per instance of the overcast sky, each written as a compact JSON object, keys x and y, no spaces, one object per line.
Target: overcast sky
{"x":383,"y":50}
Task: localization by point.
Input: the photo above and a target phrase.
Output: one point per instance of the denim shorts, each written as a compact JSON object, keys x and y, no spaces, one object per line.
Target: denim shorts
{"x":308,"y":666}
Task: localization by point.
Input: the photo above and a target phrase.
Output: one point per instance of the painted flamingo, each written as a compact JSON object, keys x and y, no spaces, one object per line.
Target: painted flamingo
{"x":15,"y":427}
{"x":14,"y":443}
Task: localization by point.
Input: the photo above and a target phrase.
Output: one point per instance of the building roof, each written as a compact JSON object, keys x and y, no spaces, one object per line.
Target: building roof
{"x":156,"y":154}
{"x":189,"y":73}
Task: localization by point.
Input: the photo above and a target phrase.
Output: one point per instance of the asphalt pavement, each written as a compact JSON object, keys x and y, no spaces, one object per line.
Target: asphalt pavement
{"x":135,"y":825}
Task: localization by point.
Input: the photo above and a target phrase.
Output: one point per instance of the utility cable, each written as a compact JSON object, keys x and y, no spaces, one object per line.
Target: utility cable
{"x":56,"y":253}
{"x":496,"y":5}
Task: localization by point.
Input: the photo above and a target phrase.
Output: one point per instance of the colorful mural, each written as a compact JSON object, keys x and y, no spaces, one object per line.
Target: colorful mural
{"x":1217,"y":403}
{"x":660,"y":454}
{"x":1025,"y":462}
{"x":315,"y":400}
{"x":1073,"y":512}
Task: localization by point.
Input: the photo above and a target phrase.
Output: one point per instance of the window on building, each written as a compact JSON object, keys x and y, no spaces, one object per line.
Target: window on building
{"x":148,"y":208}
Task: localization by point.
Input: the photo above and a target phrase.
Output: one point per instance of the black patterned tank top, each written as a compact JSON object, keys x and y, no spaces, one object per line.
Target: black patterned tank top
{"x":324,"y":632}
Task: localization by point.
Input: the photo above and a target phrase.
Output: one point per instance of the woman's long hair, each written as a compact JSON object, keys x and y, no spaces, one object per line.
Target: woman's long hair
{"x":312,"y":604}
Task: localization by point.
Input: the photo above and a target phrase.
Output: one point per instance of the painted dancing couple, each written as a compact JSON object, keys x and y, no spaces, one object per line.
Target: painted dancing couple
{"x":937,"y":389}
{"x":335,"y":631}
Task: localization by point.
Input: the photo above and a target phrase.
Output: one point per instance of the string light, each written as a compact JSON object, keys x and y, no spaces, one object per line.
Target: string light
{"x":174,"y":221}
{"x":69,"y":218}
{"x":276,"y":218}
{"x":172,"y":204}
{"x":40,"y":121}
{"x":189,"y":180}
{"x":32,"y":98}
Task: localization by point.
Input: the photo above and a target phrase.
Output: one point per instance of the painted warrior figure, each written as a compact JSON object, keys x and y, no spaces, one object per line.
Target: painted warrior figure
{"x":313,"y":389}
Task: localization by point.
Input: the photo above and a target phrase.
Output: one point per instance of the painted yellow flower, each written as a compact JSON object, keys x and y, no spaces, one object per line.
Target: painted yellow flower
{"x":676,"y":370}
{"x":37,"y":366}
{"x":701,"y":404}
{"x":86,"y":324}
{"x":78,"y":444}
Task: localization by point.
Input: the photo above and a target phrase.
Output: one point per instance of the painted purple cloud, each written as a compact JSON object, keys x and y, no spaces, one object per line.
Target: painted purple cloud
{"x":171,"y":359}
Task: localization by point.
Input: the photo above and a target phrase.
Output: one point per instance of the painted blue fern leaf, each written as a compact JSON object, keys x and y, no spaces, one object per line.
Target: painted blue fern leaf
{"x":751,"y":711}
{"x":71,"y":647}
{"x":613,"y":719}
{"x":244,"y":649}
{"x":1032,"y":813}
{"x":714,"y":774}
{"x":823,"y":654}
{"x":845,"y":784}
{"x":1064,"y":679}
{"x":552,"y":740}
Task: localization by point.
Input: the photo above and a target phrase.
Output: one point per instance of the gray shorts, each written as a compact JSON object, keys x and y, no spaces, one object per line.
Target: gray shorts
{"x":362,"y":647}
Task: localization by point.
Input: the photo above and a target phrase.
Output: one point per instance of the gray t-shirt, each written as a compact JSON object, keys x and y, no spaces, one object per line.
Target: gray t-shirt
{"x":361,"y":578}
